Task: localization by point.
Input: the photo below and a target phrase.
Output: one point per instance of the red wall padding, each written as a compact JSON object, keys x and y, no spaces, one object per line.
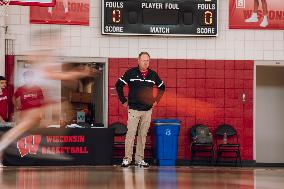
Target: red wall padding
{"x":9,"y":72}
{"x":197,"y":91}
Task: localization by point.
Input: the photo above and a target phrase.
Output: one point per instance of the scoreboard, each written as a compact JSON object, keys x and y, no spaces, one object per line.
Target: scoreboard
{"x":160,"y":17}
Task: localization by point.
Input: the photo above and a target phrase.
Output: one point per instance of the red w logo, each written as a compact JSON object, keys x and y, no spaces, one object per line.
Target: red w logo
{"x":29,"y":144}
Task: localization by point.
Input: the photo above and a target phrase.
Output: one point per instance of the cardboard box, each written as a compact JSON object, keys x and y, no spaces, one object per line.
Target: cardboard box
{"x":75,"y":97}
{"x":86,"y":98}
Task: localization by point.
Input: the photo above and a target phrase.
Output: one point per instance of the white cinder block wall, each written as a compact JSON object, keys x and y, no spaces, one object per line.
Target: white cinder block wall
{"x":87,"y":41}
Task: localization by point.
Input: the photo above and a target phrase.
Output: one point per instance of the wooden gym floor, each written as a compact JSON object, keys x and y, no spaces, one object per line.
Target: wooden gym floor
{"x":115,"y":177}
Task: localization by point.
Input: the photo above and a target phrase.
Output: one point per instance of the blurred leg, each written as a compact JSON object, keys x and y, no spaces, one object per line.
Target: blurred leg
{"x":30,"y":119}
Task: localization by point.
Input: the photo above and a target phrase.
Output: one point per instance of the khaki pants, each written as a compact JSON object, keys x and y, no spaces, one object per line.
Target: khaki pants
{"x":137,"y":120}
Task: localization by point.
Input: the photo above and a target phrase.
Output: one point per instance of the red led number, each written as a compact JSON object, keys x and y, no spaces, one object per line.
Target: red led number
{"x":116,"y":16}
{"x":208,"y":17}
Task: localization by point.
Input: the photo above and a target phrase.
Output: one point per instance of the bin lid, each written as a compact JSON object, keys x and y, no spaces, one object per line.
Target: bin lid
{"x":159,"y":121}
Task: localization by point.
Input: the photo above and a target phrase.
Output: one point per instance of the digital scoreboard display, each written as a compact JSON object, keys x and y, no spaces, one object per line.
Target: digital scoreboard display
{"x":160,"y":17}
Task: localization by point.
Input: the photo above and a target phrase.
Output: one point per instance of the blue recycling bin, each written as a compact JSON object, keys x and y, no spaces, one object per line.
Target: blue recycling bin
{"x":166,"y":134}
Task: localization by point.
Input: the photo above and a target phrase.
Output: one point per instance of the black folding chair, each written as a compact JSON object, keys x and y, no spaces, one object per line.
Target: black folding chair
{"x":227,"y":142}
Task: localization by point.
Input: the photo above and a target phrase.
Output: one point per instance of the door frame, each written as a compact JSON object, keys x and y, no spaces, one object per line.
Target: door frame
{"x":279,"y":63}
{"x":63,"y":59}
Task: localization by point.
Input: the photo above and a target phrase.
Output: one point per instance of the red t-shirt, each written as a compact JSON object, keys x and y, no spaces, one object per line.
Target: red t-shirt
{"x":4,"y":104}
{"x":30,"y":97}
{"x":144,"y":74}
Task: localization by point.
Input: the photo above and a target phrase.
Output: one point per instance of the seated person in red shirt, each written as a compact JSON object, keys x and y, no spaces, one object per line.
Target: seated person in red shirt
{"x":3,"y":100}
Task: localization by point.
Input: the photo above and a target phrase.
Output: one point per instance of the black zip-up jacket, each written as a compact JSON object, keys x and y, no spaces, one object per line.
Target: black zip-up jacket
{"x":140,"y":95}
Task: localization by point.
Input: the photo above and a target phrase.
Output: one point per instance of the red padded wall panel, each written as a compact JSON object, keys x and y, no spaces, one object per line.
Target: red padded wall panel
{"x":172,"y":82}
{"x":181,"y":63}
{"x":163,"y":72}
{"x":239,"y":74}
{"x":181,"y":82}
{"x":200,"y":83}
{"x":171,"y":111}
{"x":199,"y":64}
{"x":181,"y":92}
{"x":172,"y":102}
{"x":210,"y":64}
{"x":220,"y":73}
{"x":229,"y":64}
{"x":230,"y":74}
{"x":198,"y":91}
{"x":210,"y":73}
{"x":171,"y":92}
{"x":248,"y":65}
{"x":248,"y":83}
{"x":190,"y":64}
{"x":200,"y":73}
{"x":113,"y":63}
{"x":210,"y":93}
{"x":162,"y":63}
{"x":240,"y":64}
{"x":113,"y":72}
{"x":132,"y":62}
{"x":122,"y":70}
{"x":153,"y":65}
{"x":248,"y":74}
{"x":172,"y":73}
{"x":171,"y":64}
{"x":220,"y":64}
{"x":112,"y":81}
{"x":123,"y":62}
{"x":219,"y":93}
{"x":219,"y":83}
{"x":112,"y":119}
{"x":219,"y":113}
{"x":191,"y":92}
{"x":190,"y":83}
{"x":239,"y":83}
{"x":190,"y":73}
{"x":181,"y":73}
{"x":229,"y":83}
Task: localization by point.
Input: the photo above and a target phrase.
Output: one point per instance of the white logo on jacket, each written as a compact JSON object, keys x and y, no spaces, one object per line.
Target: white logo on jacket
{"x":3,"y":98}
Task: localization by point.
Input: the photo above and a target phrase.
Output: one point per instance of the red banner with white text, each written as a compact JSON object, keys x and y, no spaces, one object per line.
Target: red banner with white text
{"x":256,"y":14}
{"x":68,"y":12}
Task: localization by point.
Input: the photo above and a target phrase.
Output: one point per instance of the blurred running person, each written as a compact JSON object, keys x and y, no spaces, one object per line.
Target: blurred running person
{"x":48,"y":69}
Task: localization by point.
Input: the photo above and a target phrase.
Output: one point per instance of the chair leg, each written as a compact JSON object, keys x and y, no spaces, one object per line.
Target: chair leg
{"x":218,"y":157}
{"x":239,"y":158}
{"x":192,"y":157}
{"x":212,"y":157}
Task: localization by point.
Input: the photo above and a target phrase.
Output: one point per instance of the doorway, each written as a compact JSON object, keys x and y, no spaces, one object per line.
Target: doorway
{"x":269,"y":111}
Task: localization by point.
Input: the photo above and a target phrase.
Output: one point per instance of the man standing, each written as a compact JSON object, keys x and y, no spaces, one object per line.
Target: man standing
{"x":140,"y":102}
{"x":3,"y":100}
